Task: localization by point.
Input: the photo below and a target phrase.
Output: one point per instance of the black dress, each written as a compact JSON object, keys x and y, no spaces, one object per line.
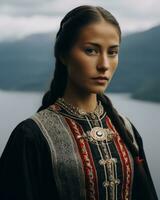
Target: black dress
{"x":25,"y":166}
{"x":37,"y":165}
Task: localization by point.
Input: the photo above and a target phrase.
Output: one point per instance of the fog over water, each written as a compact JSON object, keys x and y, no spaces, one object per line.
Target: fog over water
{"x":17,"y":106}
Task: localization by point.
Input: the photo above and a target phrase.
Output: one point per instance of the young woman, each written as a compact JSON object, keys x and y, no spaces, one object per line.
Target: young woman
{"x":78,"y":146}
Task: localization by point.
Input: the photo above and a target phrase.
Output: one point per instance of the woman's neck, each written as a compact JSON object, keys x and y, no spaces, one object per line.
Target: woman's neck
{"x":85,"y":102}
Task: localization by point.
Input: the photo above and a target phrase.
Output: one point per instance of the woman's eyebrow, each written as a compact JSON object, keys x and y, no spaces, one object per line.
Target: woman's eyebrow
{"x":114,"y":46}
{"x":98,"y":45}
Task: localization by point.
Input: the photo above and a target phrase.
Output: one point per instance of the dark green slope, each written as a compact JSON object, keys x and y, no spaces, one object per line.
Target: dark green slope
{"x":139,"y":65}
{"x":28,"y":64}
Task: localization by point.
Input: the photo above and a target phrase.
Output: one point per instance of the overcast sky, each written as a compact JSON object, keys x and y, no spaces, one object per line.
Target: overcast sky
{"x":19,"y":18}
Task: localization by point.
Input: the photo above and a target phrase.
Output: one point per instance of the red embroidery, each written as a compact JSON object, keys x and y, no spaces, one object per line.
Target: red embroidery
{"x":88,"y":163}
{"x":125,"y":160}
{"x":55,"y":107}
{"x":138,"y":160}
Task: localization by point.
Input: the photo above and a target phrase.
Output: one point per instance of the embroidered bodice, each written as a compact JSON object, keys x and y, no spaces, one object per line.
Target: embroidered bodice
{"x":90,"y":160}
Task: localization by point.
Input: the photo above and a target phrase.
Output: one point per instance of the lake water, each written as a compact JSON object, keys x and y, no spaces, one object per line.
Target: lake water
{"x":17,"y":106}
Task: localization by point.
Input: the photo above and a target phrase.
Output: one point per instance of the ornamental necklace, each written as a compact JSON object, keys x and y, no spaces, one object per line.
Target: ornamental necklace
{"x":99,"y":110}
{"x":96,"y":134}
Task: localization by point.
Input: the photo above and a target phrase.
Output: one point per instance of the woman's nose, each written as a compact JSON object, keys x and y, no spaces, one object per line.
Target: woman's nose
{"x":103,"y":62}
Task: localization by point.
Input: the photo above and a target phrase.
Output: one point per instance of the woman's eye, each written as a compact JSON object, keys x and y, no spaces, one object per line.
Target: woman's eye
{"x":113,"y":53}
{"x":90,"y":51}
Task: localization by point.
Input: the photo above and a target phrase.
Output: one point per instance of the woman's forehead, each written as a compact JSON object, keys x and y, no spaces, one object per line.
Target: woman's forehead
{"x":100,"y":31}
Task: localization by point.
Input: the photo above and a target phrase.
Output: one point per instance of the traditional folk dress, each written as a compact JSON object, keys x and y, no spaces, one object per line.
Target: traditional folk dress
{"x":63,"y":153}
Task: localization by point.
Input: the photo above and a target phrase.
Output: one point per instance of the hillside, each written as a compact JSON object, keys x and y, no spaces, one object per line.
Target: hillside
{"x":28,"y":64}
{"x":139,"y":66}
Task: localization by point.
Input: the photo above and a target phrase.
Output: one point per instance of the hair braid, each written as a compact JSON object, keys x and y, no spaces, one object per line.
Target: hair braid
{"x":140,"y":176}
{"x":115,"y":118}
{"x":67,"y":34}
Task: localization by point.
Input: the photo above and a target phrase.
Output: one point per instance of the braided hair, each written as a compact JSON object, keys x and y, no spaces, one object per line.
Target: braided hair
{"x":67,"y":34}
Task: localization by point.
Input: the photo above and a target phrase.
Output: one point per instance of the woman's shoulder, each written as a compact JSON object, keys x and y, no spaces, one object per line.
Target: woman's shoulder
{"x":48,"y":118}
{"x":29,"y":126}
{"x":25,"y":133}
{"x":26,"y":128}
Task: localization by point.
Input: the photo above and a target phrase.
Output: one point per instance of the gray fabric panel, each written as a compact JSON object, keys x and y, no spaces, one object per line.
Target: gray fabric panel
{"x":67,"y":165}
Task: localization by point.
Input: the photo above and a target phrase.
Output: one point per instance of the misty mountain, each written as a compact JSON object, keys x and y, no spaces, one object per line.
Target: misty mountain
{"x":139,"y":65}
{"x":28,"y":64}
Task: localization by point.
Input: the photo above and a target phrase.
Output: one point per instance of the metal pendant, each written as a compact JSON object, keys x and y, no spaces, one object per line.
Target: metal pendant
{"x":101,"y":134}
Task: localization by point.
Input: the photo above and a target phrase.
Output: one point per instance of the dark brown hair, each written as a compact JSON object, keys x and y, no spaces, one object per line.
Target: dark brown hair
{"x":70,"y":27}
{"x":67,"y":34}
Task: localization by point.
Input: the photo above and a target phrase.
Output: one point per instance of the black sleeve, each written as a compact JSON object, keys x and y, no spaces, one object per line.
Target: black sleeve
{"x":25,"y":165}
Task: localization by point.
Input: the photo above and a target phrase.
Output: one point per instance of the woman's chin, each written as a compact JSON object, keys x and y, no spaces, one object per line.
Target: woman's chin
{"x":99,"y":90}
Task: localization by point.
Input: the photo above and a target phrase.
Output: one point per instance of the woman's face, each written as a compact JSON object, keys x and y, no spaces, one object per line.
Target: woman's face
{"x":93,"y":58}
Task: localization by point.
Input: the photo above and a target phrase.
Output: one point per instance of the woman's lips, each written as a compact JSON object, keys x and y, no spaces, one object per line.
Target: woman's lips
{"x":100,"y":80}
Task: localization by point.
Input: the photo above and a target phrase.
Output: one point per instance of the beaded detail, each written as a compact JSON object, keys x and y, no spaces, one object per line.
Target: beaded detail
{"x":106,"y":162}
{"x":99,"y":110}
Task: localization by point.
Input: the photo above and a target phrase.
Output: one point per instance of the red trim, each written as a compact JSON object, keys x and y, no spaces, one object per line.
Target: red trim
{"x":91,"y":178}
{"x":55,"y":107}
{"x":138,"y":160}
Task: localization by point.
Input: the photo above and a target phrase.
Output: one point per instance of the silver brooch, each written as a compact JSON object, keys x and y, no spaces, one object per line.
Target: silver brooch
{"x":101,"y":134}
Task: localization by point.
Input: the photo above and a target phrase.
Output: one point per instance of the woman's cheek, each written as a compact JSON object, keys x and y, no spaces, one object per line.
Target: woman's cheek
{"x":114,"y":65}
